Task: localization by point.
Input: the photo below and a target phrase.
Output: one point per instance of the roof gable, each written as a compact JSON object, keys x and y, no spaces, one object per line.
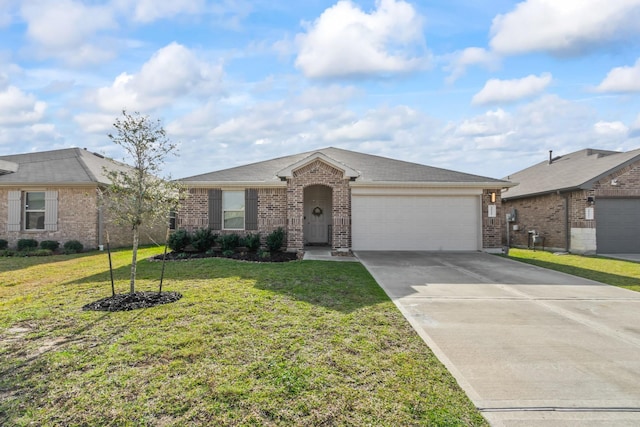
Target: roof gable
{"x":288,"y":172}
{"x":578,"y":170}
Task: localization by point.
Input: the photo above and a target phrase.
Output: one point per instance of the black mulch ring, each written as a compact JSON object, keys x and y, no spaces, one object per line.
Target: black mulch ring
{"x":241,"y":256}
{"x":126,"y":302}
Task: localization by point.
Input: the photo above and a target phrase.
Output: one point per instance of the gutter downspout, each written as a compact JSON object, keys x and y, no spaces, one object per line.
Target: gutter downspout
{"x":100,"y":228}
{"x":567,"y":229}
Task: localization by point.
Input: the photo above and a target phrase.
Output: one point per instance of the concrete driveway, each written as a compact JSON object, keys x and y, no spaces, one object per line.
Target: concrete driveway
{"x":529,"y":346}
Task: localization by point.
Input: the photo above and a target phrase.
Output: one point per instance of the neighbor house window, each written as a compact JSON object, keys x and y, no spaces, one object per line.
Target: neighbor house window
{"x":172,"y":219}
{"x":34,"y":210}
{"x":233,"y":210}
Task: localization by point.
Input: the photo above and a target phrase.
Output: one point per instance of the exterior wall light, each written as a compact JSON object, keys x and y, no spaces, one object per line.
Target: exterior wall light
{"x":493,"y":197}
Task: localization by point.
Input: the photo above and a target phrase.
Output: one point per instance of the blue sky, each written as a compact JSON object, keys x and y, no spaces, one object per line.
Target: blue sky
{"x":479,"y":87}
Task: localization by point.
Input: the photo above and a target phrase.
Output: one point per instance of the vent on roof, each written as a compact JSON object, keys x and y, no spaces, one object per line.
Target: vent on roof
{"x":98,"y":155}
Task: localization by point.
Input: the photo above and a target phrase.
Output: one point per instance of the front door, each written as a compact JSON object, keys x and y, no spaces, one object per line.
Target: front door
{"x":317,"y":214}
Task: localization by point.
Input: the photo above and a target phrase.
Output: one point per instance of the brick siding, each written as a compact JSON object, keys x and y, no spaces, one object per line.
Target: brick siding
{"x":492,"y":227}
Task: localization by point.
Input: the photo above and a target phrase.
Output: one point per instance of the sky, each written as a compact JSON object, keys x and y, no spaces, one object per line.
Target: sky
{"x":480,"y":87}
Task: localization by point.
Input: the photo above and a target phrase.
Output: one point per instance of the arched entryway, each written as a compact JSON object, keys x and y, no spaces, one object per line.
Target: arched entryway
{"x":318,"y":215}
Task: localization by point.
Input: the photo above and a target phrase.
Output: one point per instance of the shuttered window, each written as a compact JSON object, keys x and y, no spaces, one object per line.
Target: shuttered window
{"x":33,"y":210}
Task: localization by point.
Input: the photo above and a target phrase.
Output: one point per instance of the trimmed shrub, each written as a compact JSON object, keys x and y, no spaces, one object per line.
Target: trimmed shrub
{"x":73,"y":247}
{"x":252,"y":242}
{"x":179,"y":240}
{"x":52,"y":245}
{"x":228,"y":242}
{"x":27,"y":244}
{"x":7,"y":253}
{"x":275,"y":239}
{"x":203,"y":239}
{"x":3,"y":244}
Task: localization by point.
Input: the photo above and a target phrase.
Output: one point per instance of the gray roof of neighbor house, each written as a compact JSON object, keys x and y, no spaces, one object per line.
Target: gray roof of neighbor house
{"x":569,"y":172}
{"x":370,"y":169}
{"x":70,"y":166}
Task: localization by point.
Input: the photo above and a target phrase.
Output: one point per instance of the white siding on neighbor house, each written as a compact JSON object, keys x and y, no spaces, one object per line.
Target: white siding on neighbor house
{"x":416,"y":222}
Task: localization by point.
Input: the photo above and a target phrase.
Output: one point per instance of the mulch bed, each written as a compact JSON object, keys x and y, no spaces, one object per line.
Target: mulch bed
{"x":240,"y":256}
{"x":134,"y":301}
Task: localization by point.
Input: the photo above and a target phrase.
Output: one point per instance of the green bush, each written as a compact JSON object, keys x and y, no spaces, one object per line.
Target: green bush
{"x":228,"y":242}
{"x":73,"y":247}
{"x":228,"y":253}
{"x":203,"y":239}
{"x":27,"y":244}
{"x":41,"y":252}
{"x":3,"y":244}
{"x":52,"y":245}
{"x":252,"y":242}
{"x":275,"y":240}
{"x":179,"y":240}
{"x":7,"y":253}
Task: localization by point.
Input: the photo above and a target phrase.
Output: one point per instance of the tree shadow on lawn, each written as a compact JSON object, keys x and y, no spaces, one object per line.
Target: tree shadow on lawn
{"x":14,"y":263}
{"x":343,"y":287}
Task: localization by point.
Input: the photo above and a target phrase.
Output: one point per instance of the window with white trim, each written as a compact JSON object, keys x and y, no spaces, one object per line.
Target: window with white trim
{"x":34,"y":210}
{"x":233,"y":210}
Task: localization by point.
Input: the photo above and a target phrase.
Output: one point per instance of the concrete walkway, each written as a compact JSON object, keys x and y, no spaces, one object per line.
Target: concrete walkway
{"x":625,"y":257}
{"x":323,"y":253}
{"x":531,"y":347}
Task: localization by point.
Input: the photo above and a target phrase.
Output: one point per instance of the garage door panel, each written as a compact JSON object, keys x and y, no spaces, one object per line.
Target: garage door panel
{"x":618,"y":226}
{"x":415,"y":223}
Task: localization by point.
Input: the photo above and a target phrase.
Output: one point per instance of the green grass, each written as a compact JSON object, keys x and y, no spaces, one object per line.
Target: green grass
{"x":301,"y":343}
{"x":625,"y":274}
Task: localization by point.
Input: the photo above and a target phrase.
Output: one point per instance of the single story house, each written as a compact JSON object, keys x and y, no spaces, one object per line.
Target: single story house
{"x":52,"y":195}
{"x":349,"y":201}
{"x":584,"y":202}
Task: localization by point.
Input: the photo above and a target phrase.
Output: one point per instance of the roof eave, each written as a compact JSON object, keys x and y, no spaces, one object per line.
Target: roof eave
{"x":246,"y":184}
{"x":433,"y":184}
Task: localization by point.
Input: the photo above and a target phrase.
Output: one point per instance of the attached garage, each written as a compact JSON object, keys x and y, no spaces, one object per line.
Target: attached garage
{"x":618,"y":225}
{"x":416,"y":221}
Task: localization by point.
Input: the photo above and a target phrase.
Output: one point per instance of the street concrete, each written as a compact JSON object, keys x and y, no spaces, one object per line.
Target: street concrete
{"x":530,"y":346}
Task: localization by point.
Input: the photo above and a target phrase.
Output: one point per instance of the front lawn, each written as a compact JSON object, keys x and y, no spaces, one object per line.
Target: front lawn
{"x":300,"y":343}
{"x":625,"y":274}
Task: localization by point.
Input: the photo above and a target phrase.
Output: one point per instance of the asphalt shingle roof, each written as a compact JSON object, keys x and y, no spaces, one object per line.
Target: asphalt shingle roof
{"x":371,"y":168}
{"x":67,"y":166}
{"x":577,"y":170}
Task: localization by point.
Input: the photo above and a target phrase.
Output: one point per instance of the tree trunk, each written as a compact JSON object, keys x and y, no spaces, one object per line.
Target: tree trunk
{"x":134,"y":260}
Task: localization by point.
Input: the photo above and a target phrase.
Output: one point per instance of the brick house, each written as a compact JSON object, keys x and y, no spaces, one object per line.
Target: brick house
{"x":584,"y":202}
{"x":349,"y":200}
{"x":52,"y":195}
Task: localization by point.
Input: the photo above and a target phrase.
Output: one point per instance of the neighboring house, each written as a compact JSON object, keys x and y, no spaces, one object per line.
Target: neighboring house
{"x":52,"y":195}
{"x":349,"y":200}
{"x":584,"y":202}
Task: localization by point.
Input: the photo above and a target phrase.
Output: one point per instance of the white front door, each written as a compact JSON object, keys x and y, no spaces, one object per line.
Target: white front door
{"x":317,"y":214}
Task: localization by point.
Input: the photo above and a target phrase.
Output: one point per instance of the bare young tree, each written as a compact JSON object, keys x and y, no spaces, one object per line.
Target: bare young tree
{"x":138,"y":195}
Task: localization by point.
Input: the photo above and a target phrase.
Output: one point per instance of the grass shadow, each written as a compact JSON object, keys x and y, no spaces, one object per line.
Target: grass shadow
{"x":14,"y":263}
{"x":337,"y":286}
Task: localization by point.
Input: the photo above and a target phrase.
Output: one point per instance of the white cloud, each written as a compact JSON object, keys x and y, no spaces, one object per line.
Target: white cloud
{"x":459,"y":61}
{"x":564,"y":27}
{"x":95,"y":123}
{"x":66,"y":29}
{"x":622,"y":79}
{"x":19,"y":108}
{"x":610,"y":128}
{"x":346,"y":41}
{"x":171,"y":73}
{"x":152,"y":10}
{"x":496,"y":90}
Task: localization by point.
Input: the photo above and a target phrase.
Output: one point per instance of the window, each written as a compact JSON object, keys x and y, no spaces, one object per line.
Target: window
{"x":34,"y":210}
{"x":233,"y":210}
{"x":172,"y":219}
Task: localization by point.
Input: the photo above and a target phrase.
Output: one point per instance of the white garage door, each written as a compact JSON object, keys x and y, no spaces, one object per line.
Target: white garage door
{"x":430,"y":223}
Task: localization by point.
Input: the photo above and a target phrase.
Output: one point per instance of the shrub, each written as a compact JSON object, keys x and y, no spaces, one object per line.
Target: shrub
{"x":228,"y":242}
{"x":73,"y":247}
{"x":251,"y":242}
{"x":3,"y":244}
{"x":7,"y":253}
{"x":52,"y":245}
{"x":262,"y":254}
{"x":27,"y":244}
{"x":179,"y":240}
{"x":227,"y":253}
{"x":203,"y":239}
{"x":275,"y":239}
{"x":41,"y":252}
